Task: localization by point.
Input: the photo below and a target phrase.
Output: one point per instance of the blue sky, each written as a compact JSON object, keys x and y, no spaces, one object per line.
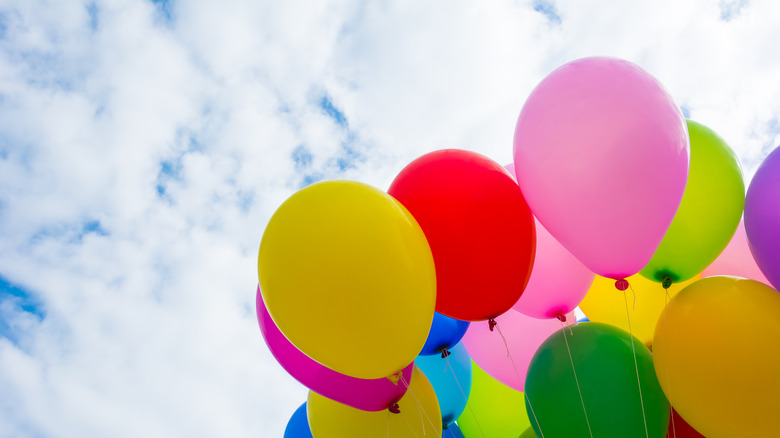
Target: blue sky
{"x":144,"y":145}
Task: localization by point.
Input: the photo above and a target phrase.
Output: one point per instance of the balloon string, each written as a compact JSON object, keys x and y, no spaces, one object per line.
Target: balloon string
{"x":576,"y":380}
{"x":464,"y":395}
{"x":419,"y":406}
{"x":517,"y":373}
{"x":636,"y":364}
{"x":666,"y":366}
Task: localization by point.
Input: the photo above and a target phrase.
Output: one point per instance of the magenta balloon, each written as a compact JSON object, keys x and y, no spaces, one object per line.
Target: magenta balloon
{"x":523,"y":334}
{"x":365,"y":394}
{"x":601,"y":153}
{"x":762,"y":217}
{"x":558,"y":280}
{"x":736,"y":259}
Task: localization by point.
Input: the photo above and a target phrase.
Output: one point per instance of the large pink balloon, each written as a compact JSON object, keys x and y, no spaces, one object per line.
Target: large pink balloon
{"x":523,"y":334}
{"x":601,"y":152}
{"x":736,"y":259}
{"x":558,"y":280}
{"x":365,"y":394}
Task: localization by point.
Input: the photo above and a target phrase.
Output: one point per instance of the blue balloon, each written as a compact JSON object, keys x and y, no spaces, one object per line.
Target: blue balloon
{"x":452,"y":431}
{"x":298,"y":426}
{"x":452,"y":383}
{"x":445,"y":333}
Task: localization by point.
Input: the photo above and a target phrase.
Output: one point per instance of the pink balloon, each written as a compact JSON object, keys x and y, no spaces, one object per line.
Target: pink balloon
{"x":523,"y":334}
{"x":365,"y":394}
{"x":736,"y":259}
{"x":601,"y":152}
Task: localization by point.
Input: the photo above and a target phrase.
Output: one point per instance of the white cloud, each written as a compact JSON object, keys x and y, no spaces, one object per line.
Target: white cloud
{"x":177,"y":138}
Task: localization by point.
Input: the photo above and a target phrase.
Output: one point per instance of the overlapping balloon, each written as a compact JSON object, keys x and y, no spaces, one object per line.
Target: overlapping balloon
{"x":364,"y":295}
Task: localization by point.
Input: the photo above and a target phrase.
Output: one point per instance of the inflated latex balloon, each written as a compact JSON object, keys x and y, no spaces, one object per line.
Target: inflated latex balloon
{"x":762,"y":217}
{"x":445,"y":333}
{"x":365,"y":394}
{"x":298,"y":426}
{"x":479,"y":227}
{"x":605,"y":304}
{"x":601,"y":153}
{"x":494,"y":410}
{"x":736,"y":259}
{"x":348,"y":277}
{"x":721,"y":373}
{"x":418,"y":416}
{"x":608,"y":379}
{"x":558,"y":280}
{"x":708,"y":214}
{"x":523,"y":335}
{"x":679,"y":428}
{"x":451,"y":379}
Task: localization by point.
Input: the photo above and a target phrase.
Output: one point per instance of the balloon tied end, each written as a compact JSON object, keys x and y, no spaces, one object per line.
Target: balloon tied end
{"x":560,"y":316}
{"x":394,"y":408}
{"x":666,"y":282}
{"x":395,"y":377}
{"x":621,"y":284}
{"x":492,"y":324}
{"x":445,"y":353}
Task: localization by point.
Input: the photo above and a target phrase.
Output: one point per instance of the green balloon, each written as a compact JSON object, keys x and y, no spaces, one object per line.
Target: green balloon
{"x":499,"y":409}
{"x":709,"y":212}
{"x":604,"y":362}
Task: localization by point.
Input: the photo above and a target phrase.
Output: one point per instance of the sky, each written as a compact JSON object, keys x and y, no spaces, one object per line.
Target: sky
{"x":145,"y":144}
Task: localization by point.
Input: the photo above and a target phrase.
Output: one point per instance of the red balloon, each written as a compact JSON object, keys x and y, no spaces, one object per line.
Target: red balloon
{"x":679,"y":428}
{"x":480,"y":229}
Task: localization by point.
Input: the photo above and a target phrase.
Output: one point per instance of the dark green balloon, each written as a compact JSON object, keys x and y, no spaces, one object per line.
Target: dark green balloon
{"x":604,"y":362}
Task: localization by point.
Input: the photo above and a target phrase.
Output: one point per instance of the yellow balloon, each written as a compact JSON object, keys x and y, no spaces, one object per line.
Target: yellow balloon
{"x":715,"y":354}
{"x":604,"y":303}
{"x":348,"y":277}
{"x":419,"y":415}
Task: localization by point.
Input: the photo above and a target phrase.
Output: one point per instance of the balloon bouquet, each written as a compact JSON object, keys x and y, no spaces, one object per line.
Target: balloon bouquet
{"x":444,"y":306}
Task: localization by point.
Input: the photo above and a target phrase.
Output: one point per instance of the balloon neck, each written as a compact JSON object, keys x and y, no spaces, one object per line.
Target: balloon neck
{"x":394,"y":408}
{"x":561,"y":317}
{"x":621,"y":284}
{"x":492,"y":324}
{"x":395,"y":377}
{"x":445,"y":353}
{"x":666,"y":282}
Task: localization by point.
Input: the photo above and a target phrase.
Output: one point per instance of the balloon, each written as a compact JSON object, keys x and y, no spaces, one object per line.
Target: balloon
{"x":298,"y":426}
{"x":721,"y":374}
{"x":605,"y":304}
{"x":601,"y":153}
{"x":558,"y":280}
{"x":419,"y":415}
{"x":679,"y":428}
{"x":445,"y":333}
{"x":523,"y":334}
{"x":604,"y":361}
{"x":528,"y":433}
{"x":365,"y":394}
{"x":479,"y":227}
{"x":494,"y":410}
{"x":452,"y":431}
{"x":736,"y":259}
{"x":451,"y":379}
{"x":708,"y":214}
{"x":762,"y":217}
{"x":348,"y":277}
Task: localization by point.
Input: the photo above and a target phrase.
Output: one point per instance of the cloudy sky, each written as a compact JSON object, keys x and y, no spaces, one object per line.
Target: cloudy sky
{"x":145,"y":144}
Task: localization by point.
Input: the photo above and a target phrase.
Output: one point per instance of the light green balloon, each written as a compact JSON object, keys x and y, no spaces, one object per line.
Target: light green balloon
{"x":709,"y":212}
{"x":499,"y":410}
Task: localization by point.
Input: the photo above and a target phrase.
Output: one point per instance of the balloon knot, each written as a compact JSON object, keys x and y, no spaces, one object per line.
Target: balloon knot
{"x":395,"y":377}
{"x":667,"y":282}
{"x":492,"y":324}
{"x":621,"y":284}
{"x":445,"y":353}
{"x":561,"y":317}
{"x":394,"y":408}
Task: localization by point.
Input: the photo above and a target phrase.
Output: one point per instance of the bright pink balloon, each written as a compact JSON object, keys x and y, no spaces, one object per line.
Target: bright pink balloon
{"x":523,"y":334}
{"x":365,"y":394}
{"x":736,"y":259}
{"x":601,"y":153}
